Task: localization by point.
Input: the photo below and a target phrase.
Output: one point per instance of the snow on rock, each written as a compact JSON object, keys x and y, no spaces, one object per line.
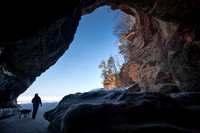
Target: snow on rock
{"x":125,"y":111}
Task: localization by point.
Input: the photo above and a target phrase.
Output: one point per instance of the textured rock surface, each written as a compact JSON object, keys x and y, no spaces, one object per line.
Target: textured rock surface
{"x":163,"y":46}
{"x":33,"y":36}
{"x":126,"y":112}
{"x":32,"y":39}
{"x":129,"y":74}
{"x":6,"y":112}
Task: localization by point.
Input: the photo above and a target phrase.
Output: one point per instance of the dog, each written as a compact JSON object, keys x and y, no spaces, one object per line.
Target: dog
{"x":25,"y":112}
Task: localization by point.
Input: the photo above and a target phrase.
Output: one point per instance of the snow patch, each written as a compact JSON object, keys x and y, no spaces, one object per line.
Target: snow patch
{"x":111,"y":89}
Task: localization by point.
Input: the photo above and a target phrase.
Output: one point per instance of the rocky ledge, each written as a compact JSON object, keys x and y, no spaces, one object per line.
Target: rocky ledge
{"x":126,"y":112}
{"x":6,"y":112}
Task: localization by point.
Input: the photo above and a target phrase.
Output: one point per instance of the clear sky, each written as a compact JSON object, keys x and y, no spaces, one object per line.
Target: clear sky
{"x":77,"y":70}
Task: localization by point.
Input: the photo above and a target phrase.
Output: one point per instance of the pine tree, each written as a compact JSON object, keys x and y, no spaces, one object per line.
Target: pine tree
{"x":109,"y":68}
{"x":111,"y":65}
{"x":104,"y":68}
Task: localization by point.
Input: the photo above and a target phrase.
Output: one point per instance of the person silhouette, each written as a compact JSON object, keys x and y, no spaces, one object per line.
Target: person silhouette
{"x":36,"y":101}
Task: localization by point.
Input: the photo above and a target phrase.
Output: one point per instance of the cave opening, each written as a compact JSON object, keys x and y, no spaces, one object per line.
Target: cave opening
{"x":94,"y":41}
{"x":166,"y":57}
{"x":161,"y":47}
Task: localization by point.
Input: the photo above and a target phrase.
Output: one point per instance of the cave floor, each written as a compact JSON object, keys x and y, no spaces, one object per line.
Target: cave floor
{"x":14,"y":124}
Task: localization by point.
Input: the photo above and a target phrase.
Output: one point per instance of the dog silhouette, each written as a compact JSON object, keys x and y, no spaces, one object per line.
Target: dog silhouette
{"x":25,"y":112}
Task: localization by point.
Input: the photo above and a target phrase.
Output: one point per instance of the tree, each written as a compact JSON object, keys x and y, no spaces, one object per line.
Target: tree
{"x":109,"y":68}
{"x":104,"y":68}
{"x":125,"y":50}
{"x":111,"y":65}
{"x":123,"y":30}
{"x":118,"y":62}
{"x":124,"y":25}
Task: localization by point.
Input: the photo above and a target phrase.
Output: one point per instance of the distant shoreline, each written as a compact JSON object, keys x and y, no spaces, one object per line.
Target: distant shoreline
{"x":46,"y":99}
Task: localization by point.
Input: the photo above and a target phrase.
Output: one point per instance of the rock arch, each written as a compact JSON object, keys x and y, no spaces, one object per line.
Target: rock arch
{"x":33,"y":36}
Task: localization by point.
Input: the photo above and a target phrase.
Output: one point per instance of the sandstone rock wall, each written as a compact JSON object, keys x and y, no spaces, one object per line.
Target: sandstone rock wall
{"x":129,"y":75}
{"x":163,"y":48}
{"x":161,"y":45}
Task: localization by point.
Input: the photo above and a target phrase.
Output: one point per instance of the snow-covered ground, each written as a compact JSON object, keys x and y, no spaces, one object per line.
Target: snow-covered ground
{"x":14,"y":124}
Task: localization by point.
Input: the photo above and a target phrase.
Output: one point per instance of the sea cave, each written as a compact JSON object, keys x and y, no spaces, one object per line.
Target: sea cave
{"x":164,"y":65}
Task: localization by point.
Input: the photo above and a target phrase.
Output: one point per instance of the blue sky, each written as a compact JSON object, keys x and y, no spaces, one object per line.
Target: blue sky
{"x":77,"y":70}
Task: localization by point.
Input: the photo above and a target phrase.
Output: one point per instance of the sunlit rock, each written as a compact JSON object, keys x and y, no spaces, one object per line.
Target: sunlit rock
{"x":112,"y":81}
{"x":129,"y":75}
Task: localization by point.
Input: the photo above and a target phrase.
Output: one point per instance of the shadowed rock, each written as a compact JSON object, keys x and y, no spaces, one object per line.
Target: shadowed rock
{"x":126,"y":112}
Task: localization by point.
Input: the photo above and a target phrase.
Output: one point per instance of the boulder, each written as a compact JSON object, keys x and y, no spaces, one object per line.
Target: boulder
{"x":134,"y":88}
{"x":125,"y":112}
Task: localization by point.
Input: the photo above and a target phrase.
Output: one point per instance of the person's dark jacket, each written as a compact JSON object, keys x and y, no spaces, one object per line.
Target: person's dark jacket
{"x":36,"y":101}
